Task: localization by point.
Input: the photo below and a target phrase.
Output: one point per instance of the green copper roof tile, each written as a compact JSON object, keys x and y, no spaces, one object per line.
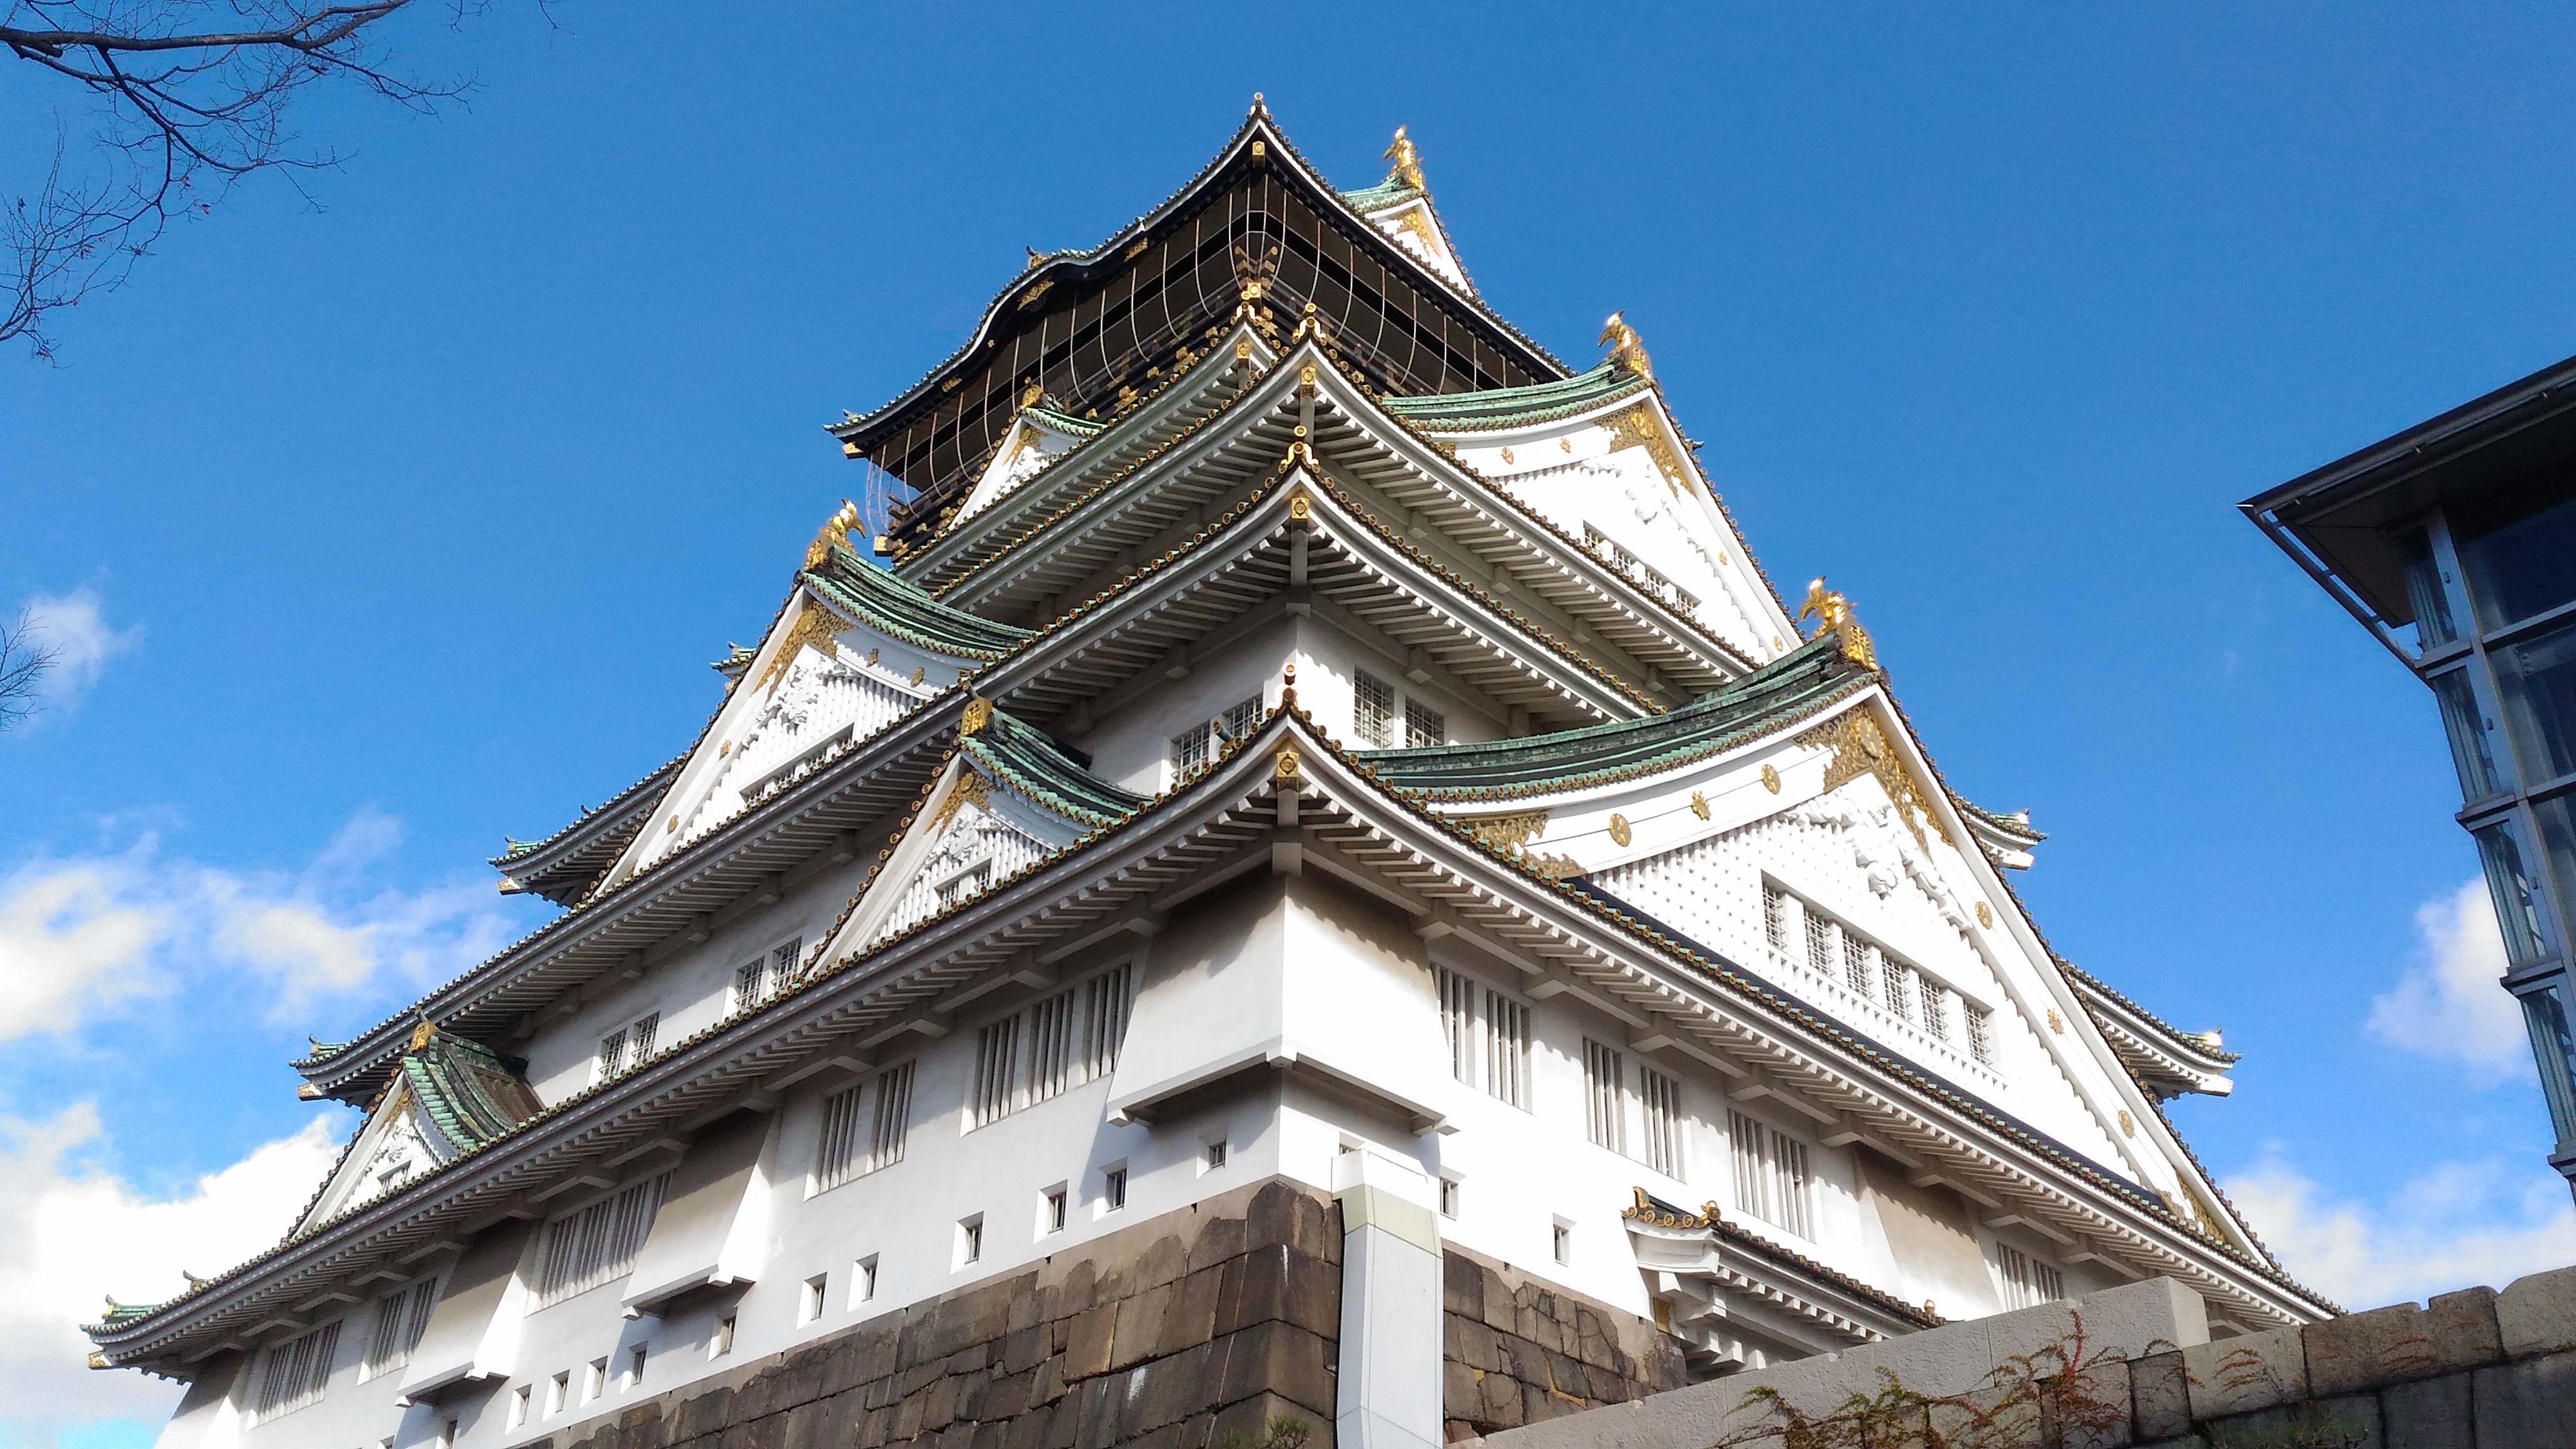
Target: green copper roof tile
{"x":1386,"y":193}
{"x":898,"y":607}
{"x":473,"y":1093}
{"x":1026,"y":760}
{"x":1797,"y":684}
{"x":1508,"y":406}
{"x":1062,"y":421}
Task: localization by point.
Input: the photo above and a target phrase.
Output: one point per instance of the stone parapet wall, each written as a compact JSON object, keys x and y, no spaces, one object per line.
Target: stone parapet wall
{"x":2476,"y":1369}
{"x":1519,"y":1351}
{"x":1210,"y":1321}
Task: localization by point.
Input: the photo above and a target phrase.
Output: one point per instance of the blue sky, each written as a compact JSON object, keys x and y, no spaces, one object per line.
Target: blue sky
{"x":385,"y":527}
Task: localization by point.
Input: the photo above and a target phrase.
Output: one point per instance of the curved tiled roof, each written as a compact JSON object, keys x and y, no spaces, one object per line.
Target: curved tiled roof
{"x":897,"y":607}
{"x":1796,"y":684}
{"x":1026,"y":760}
{"x":1506,"y":407}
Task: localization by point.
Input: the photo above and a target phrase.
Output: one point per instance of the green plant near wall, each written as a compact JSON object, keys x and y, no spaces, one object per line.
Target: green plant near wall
{"x":2056,"y":1396}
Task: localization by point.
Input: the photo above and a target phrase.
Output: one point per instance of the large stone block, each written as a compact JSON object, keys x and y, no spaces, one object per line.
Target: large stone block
{"x":2427,"y":1414}
{"x":1218,"y":1239}
{"x":1470,"y":1342}
{"x":2527,"y":1403}
{"x":1191,"y":1319}
{"x":1139,"y":1334}
{"x":1087,"y":1343}
{"x":1498,"y":1403}
{"x":2537,"y":1314}
{"x":2453,"y":1333}
{"x":1282,"y":1359}
{"x":2246,"y":1374}
{"x":2349,"y":1422}
{"x":1462,"y":1285}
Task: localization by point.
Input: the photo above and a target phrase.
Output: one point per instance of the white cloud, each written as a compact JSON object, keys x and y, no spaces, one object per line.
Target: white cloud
{"x":80,"y":936}
{"x":71,"y":940}
{"x":74,"y":628}
{"x":2454,"y":1225}
{"x":2449,"y":1004}
{"x":68,"y":1228}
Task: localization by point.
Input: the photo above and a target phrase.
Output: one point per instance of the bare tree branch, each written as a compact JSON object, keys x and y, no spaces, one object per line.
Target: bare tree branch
{"x":188,"y":97}
{"x":23,"y":663}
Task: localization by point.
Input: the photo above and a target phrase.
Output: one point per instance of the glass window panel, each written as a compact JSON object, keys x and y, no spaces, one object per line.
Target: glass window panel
{"x":2537,"y":678}
{"x":2465,"y":725}
{"x":2514,"y":550}
{"x":2553,"y":1046}
{"x":2424,"y":591}
{"x":2517,"y":898}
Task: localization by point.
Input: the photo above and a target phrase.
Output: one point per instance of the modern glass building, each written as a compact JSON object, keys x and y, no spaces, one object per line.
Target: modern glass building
{"x":2455,"y":543}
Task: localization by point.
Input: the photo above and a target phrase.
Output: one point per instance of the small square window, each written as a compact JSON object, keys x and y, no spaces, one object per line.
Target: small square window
{"x":970,"y":1240}
{"x":1448,"y":1197}
{"x":1563,"y":1245}
{"x":867,"y":1284}
{"x":1113,"y":1188}
{"x":1215,"y":1155}
{"x":815,"y":1287}
{"x":1051,"y":1212}
{"x":635,"y":1367}
{"x":721,"y":1343}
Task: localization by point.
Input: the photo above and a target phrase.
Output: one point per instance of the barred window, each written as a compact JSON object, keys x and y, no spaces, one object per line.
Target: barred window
{"x":612,"y":1054}
{"x":1507,"y":1047}
{"x":2028,"y":1282}
{"x":1820,"y":943}
{"x":1856,"y":962}
{"x":597,"y":1245}
{"x":893,"y":1121}
{"x":1980,"y":1045}
{"x":1604,"y":1084}
{"x":1777,"y":910}
{"x":750,"y":983}
{"x":639,"y":1037}
{"x":1372,"y":708}
{"x":1238,"y":721}
{"x":1195,"y":748}
{"x":401,"y":1317}
{"x":1055,"y":1044}
{"x":1424,"y":725}
{"x":1458,"y":1022}
{"x":837,"y":1157}
{"x":997,"y":1054}
{"x":628,"y":1046}
{"x":1661,"y":1099}
{"x":782,"y":963}
{"x":1894,"y":975}
{"x":1771,"y":1177}
{"x":1936,"y":1009}
{"x":296,"y":1373}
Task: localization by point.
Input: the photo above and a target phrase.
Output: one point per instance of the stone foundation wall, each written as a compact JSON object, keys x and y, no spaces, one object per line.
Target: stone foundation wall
{"x":1519,"y":1352}
{"x":1211,"y":1321}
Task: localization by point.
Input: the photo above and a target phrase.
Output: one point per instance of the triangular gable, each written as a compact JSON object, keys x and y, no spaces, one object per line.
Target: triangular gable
{"x":1042,"y":435}
{"x":1800,"y":794}
{"x":1601,"y":458}
{"x":977,"y":826}
{"x":449,"y":1096}
{"x":1406,"y":218}
{"x":853,"y":650}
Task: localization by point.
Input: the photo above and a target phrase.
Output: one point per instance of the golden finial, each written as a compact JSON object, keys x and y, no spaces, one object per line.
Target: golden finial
{"x":421,"y":1034}
{"x":1408,"y":161}
{"x":1036,"y":259}
{"x":1033,"y":394}
{"x":835,"y":530}
{"x":1833,"y":612}
{"x":1624,"y":347}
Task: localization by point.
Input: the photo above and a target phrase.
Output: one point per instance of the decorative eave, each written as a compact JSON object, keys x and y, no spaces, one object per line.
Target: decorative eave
{"x":1246,"y":421}
{"x":1185,"y":841}
{"x":1836,"y":1299}
{"x":562,"y":866}
{"x":2166,"y":1060}
{"x":1025,"y":760}
{"x":864,"y":594}
{"x":1258,"y":142}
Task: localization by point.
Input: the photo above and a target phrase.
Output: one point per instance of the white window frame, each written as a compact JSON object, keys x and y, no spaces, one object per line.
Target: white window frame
{"x":401,"y":1316}
{"x":1489,"y":1033}
{"x":296,"y":1373}
{"x":595,"y":1244}
{"x":862,"y":1128}
{"x":1047,"y":1047}
{"x":2027,"y":1279}
{"x":631,"y":1045}
{"x":1775,"y":1174}
{"x":1400,"y":725}
{"x":770,"y":973}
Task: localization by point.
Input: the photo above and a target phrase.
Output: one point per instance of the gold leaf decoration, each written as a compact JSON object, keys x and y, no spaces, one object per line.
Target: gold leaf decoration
{"x":1860,"y":749}
{"x":815,"y":625}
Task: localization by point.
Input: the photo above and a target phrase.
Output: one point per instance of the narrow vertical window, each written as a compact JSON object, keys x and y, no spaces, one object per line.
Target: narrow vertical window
{"x":1458,"y":1021}
{"x":1104,"y":1021}
{"x":296,"y":1373}
{"x":816,"y":1288}
{"x":594,"y":1380}
{"x":1424,"y":725}
{"x":893,"y":1121}
{"x":1190,"y":751}
{"x":782,"y":963}
{"x":1372,"y":708}
{"x":558,"y":1391}
{"x":1561,"y":1244}
{"x":1820,"y":944}
{"x":1448,"y":1197}
{"x":837,"y":1155}
{"x":612,"y":1054}
{"x":1507,"y":1049}
{"x":1936,"y":1010}
{"x":2028,"y":1281}
{"x":1892,"y":975}
{"x":1053,"y":1212}
{"x":1856,"y":967}
{"x":1795,"y":1187}
{"x":1771,"y":1177}
{"x":1660,"y":1102}
{"x":750,"y":982}
{"x":1113,"y":1188}
{"x":970,"y":1240}
{"x":1052,"y":1062}
{"x":720,"y":1342}
{"x":867,"y":1278}
{"x":519,"y":1398}
{"x":1778,"y":913}
{"x":639,"y":1037}
{"x":1215,"y":1154}
{"x":1603,"y":1088}
{"x":2515,"y":893}
{"x":635,"y":1366}
{"x":1981,"y":1043}
{"x":1237,"y":722}
{"x":996,"y":1053}
{"x":401,"y":1316}
{"x":1745,"y":1141}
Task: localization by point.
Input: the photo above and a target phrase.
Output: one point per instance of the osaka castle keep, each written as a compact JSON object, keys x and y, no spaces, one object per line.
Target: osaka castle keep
{"x":1305,"y":876}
